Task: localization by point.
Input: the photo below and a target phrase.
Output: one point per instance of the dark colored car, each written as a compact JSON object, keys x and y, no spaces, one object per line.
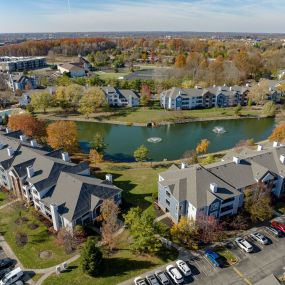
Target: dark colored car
{"x":6,"y":262}
{"x":3,"y":272}
{"x":214,"y":258}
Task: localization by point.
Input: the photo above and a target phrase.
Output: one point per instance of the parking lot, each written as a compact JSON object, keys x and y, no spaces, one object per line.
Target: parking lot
{"x":250,"y":267}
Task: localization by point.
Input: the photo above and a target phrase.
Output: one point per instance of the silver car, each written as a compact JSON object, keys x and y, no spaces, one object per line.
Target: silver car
{"x":139,"y":281}
{"x":151,"y":279}
{"x":260,"y":238}
{"x":162,"y":277}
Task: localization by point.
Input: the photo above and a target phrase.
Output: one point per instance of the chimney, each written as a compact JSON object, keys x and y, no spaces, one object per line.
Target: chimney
{"x":282,"y":158}
{"x":65,"y":156}
{"x":214,"y":187}
{"x":275,"y":144}
{"x":214,"y":85}
{"x":247,"y":84}
{"x":34,"y":143}
{"x":109,"y":178}
{"x":10,"y":151}
{"x":7,"y":130}
{"x":183,"y":165}
{"x":231,"y":88}
{"x":30,"y":171}
{"x":259,"y":147}
{"x":22,"y":138}
{"x":236,"y":160}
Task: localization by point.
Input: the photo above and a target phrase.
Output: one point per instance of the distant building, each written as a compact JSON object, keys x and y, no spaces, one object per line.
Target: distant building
{"x":25,"y":100}
{"x":14,"y":64}
{"x":21,"y":82}
{"x":72,"y":69}
{"x":121,"y":97}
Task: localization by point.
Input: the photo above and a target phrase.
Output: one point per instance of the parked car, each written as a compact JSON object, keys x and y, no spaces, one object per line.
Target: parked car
{"x":274,"y":231}
{"x":162,"y":277}
{"x":19,"y":282}
{"x":278,"y":225}
{"x":12,"y":277}
{"x":244,"y":244}
{"x":184,"y":268}
{"x":6,"y":262}
{"x":260,"y":238}
{"x":140,"y":281}
{"x":3,"y":272}
{"x":151,"y":279}
{"x":214,"y":258}
{"x":174,"y":274}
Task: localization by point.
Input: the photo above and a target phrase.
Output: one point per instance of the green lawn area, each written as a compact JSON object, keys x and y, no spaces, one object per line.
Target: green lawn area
{"x":280,"y":207}
{"x":138,"y":184}
{"x":111,"y":75}
{"x":121,"y":266}
{"x":39,"y":239}
{"x":3,"y":198}
{"x":144,"y":115}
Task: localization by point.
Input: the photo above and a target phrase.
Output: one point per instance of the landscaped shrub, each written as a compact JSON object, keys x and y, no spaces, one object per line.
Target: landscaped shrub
{"x":33,"y":226}
{"x":21,"y":238}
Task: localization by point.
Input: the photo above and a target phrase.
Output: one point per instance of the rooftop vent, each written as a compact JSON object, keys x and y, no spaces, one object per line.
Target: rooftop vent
{"x":282,"y":158}
{"x":109,"y":178}
{"x":30,"y":171}
{"x":214,"y":187}
{"x":10,"y":151}
{"x":259,"y":147}
{"x":183,"y":165}
{"x":65,"y":156}
{"x":275,"y":144}
{"x":236,"y":160}
{"x":34,"y":143}
{"x":22,"y":138}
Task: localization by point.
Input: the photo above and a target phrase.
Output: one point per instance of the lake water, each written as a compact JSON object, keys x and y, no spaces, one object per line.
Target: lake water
{"x":175,"y":139}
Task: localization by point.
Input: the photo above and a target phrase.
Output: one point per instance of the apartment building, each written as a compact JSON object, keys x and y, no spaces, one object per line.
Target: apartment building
{"x":18,"y":64}
{"x":46,"y":179}
{"x":217,"y":189}
{"x":121,"y":97}
{"x":215,"y":96}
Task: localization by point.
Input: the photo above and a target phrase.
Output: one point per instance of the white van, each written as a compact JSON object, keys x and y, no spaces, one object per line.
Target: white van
{"x":12,"y":276}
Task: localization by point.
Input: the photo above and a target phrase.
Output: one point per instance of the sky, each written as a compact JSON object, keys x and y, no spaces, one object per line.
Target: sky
{"x":265,"y":16}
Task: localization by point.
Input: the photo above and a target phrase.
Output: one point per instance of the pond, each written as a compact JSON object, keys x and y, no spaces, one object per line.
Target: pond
{"x":172,"y":141}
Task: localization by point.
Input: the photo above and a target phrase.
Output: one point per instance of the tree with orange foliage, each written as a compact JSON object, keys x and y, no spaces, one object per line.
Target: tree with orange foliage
{"x":202,"y":147}
{"x":63,"y":134}
{"x":29,"y":125}
{"x":278,"y":133}
{"x":180,"y":61}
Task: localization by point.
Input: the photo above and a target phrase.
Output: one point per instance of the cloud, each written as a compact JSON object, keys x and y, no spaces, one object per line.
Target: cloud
{"x":160,"y":15}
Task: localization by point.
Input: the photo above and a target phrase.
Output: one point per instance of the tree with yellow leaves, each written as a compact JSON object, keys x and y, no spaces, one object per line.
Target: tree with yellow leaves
{"x":63,"y":134}
{"x":278,"y":133}
{"x":203,"y":146}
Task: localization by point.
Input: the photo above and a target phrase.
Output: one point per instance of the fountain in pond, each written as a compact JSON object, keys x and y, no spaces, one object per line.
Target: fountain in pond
{"x":154,"y":140}
{"x":219,"y":130}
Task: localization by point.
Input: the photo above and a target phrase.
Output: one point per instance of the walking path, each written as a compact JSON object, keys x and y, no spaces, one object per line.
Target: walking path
{"x":8,"y":204}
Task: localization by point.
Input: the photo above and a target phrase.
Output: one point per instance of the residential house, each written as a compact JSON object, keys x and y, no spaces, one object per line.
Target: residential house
{"x":72,"y":69}
{"x":218,"y":189}
{"x":21,"y":82}
{"x":46,"y":179}
{"x":121,"y":97}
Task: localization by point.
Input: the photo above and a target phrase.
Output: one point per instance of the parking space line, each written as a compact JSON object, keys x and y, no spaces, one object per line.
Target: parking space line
{"x":241,"y":275}
{"x":200,"y":267}
{"x":208,"y":261}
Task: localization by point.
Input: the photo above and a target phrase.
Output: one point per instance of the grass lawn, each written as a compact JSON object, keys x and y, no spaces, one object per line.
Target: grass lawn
{"x":121,"y":266}
{"x":144,"y":115}
{"x":111,"y":75}
{"x":138,"y":184}
{"x":3,"y":198}
{"x":280,"y":207}
{"x":38,"y":239}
